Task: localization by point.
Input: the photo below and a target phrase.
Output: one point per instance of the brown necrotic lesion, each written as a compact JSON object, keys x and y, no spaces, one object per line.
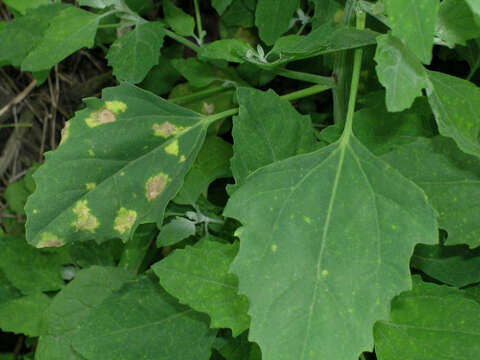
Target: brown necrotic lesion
{"x":155,"y":186}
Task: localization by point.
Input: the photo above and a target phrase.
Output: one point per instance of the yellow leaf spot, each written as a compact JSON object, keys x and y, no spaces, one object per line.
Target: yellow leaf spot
{"x":91,"y":152}
{"x":122,"y":174}
{"x":125,"y":220}
{"x":307,"y":219}
{"x":182,"y":159}
{"x":35,"y":211}
{"x":155,"y":185}
{"x":65,"y":132}
{"x":324,"y":273}
{"x":100,"y":117}
{"x":208,"y":109}
{"x":166,"y":129}
{"x":172,"y":149}
{"x":274,"y":248}
{"x":85,"y":220}
{"x":50,"y":240}
{"x":116,"y":107}
{"x":90,"y":186}
{"x":337,"y":17}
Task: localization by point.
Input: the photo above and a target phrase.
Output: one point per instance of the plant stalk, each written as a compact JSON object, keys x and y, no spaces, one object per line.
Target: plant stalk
{"x":187,"y":99}
{"x":182,"y":40}
{"x":312,"y":78}
{"x":357,"y":64}
{"x":198,"y":19}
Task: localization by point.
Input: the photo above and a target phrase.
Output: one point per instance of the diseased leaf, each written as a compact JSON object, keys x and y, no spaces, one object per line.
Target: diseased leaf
{"x":69,"y":31}
{"x":120,"y":162}
{"x":272,"y":18}
{"x":180,"y":22}
{"x":327,"y":237}
{"x":430,"y":322}
{"x":259,"y":132}
{"x":23,"y":33}
{"x":142,"y":310}
{"x":413,"y":22}
{"x":456,"y":105}
{"x":453,"y":265}
{"x":197,"y":73}
{"x":198,"y":276}
{"x":28,"y":269}
{"x":221,"y":5}
{"x":24,"y":315}
{"x":70,"y":309}
{"x":213,"y":162}
{"x":175,"y":231}
{"x":456,"y":23}
{"x":400,"y":72}
{"x":451,"y":180}
{"x":134,"y":54}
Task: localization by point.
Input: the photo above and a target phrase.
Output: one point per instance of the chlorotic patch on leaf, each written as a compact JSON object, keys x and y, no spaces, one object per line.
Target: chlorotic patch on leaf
{"x":65,"y":132}
{"x":106,"y":114}
{"x":50,"y":240}
{"x":125,"y":220}
{"x":90,"y":186}
{"x":165,"y":130}
{"x":85,"y":220}
{"x":155,"y":186}
{"x":172,"y":149}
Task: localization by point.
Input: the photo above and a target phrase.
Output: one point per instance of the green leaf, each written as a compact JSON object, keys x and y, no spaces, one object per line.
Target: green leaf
{"x":327,"y":237}
{"x":25,"y":32}
{"x":142,"y":310}
{"x":175,"y":231}
{"x":430,"y":322}
{"x":70,"y":309}
{"x":400,"y":72}
{"x":71,"y":30}
{"x":213,"y":162}
{"x":238,"y":348}
{"x":382,"y":131}
{"x":99,"y":4}
{"x":7,"y":290}
{"x":456,"y":105}
{"x":272,"y":18}
{"x":197,"y":73}
{"x":111,"y":176}
{"x":221,"y":5}
{"x":452,"y":265}
{"x":456,"y":23}
{"x":24,"y":315}
{"x":16,"y":193}
{"x":451,"y":180}
{"x":240,"y":13}
{"x":134,"y":54}
{"x":198,"y":276}
{"x":179,"y":21}
{"x":413,"y":22}
{"x":88,"y":253}
{"x":28,"y":269}
{"x":259,"y":132}
{"x":475,"y":6}
{"x":229,"y":49}
{"x":23,"y":5}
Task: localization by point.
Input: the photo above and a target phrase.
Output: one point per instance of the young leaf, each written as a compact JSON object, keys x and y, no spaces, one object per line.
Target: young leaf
{"x":400,"y":72}
{"x":23,"y":33}
{"x":29,"y":269}
{"x":213,"y":162}
{"x":70,"y":309}
{"x":453,"y":265}
{"x":451,"y":180}
{"x":24,"y":315}
{"x":143,"y":311}
{"x":134,"y":54}
{"x":430,"y":322}
{"x":259,"y":132}
{"x":272,"y":18}
{"x":180,"y":22}
{"x":413,"y":22}
{"x":327,"y":237}
{"x":456,"y":105}
{"x":456,"y":23}
{"x":175,"y":231}
{"x":120,"y":162}
{"x":198,"y":276}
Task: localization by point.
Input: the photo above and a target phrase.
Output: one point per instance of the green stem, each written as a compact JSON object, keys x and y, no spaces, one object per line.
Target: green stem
{"x":341,"y":70}
{"x":357,"y":64}
{"x":300,"y":94}
{"x":15,"y":125}
{"x":198,"y":19}
{"x":312,"y":78}
{"x":106,"y":26}
{"x":198,"y":95}
{"x":182,"y":40}
{"x":473,"y":70}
